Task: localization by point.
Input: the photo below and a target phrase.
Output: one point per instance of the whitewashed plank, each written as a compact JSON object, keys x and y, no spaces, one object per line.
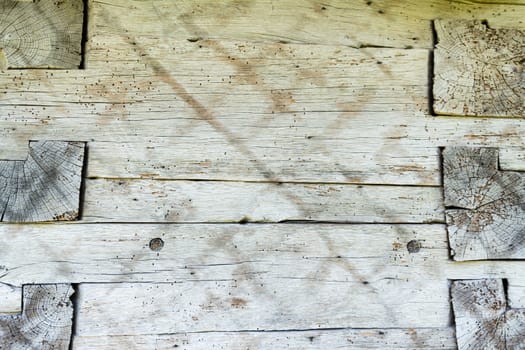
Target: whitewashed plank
{"x":478,"y":70}
{"x":41,"y":34}
{"x":270,"y":121}
{"x":204,"y":201}
{"x":279,"y":270}
{"x":10,"y":299}
{"x":45,"y":186}
{"x":394,"y":339}
{"x":296,"y":276}
{"x":45,"y":322}
{"x":395,"y":24}
{"x":245,"y":141}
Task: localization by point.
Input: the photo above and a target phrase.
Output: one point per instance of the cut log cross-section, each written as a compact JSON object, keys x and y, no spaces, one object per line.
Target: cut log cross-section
{"x":45,"y":186}
{"x":45,"y":322}
{"x":483,"y":320}
{"x":478,"y":71}
{"x":40,"y":34}
{"x":484,"y":207}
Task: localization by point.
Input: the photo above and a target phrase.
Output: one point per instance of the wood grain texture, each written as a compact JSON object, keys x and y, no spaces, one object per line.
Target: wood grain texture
{"x":45,"y":186}
{"x":45,"y":322}
{"x":41,"y":34}
{"x":291,"y":276}
{"x":482,"y":317}
{"x":478,"y":71}
{"x":353,"y":339}
{"x":485,"y":205}
{"x":10,"y":299}
{"x":215,"y":201}
{"x":401,"y":24}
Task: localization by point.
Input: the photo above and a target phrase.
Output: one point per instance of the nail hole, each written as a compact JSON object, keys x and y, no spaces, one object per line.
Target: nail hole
{"x":414,"y":246}
{"x":156,"y":244}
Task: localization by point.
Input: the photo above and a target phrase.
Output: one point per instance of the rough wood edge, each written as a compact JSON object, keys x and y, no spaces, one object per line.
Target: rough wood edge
{"x":478,"y":69}
{"x":483,"y":205}
{"x":45,"y":322}
{"x":45,"y":186}
{"x":483,"y":319}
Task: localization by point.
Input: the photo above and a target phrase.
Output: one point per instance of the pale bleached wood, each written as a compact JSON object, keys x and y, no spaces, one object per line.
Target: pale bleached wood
{"x":353,"y":339}
{"x":202,"y":201}
{"x":290,"y":276}
{"x":10,"y":299}
{"x":274,"y":121}
{"x":485,"y":205}
{"x":478,"y":70}
{"x":42,"y":33}
{"x":483,"y":319}
{"x":45,"y":186}
{"x":324,"y":275}
{"x":401,"y":24}
{"x":45,"y":322}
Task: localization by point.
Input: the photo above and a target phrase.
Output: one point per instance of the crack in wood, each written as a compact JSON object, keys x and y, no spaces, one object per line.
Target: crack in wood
{"x":483,"y":319}
{"x":484,"y":206}
{"x":45,"y":186}
{"x":41,"y":34}
{"x":45,"y":322}
{"x":479,"y":70}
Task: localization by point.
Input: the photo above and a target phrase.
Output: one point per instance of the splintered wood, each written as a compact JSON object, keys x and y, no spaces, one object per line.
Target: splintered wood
{"x":483,"y":320}
{"x":484,"y":206}
{"x":479,"y":71}
{"x":45,"y":186}
{"x":45,"y":322}
{"x":40,"y":34}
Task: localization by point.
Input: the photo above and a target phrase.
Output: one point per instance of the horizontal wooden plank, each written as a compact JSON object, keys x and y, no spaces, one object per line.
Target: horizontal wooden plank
{"x":395,"y":339}
{"x":10,"y":299}
{"x":278,"y":270}
{"x":395,"y":24}
{"x":325,"y":121}
{"x":288,"y":117}
{"x":205,"y":201}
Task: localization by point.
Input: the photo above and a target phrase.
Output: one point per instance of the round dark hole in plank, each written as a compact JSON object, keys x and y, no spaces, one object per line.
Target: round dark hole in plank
{"x":414,"y":246}
{"x":156,"y":244}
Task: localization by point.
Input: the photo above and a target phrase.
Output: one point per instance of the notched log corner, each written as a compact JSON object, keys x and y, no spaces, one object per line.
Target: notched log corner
{"x":41,"y":34}
{"x":45,"y":322}
{"x":478,"y":71}
{"x":484,"y":206}
{"x":483,"y":320}
{"x":45,"y":186}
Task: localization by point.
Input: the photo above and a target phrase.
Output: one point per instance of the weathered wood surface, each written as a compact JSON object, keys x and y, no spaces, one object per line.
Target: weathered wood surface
{"x":45,"y":322}
{"x":401,"y":24}
{"x":483,"y":320}
{"x":478,"y":71}
{"x":41,"y":33}
{"x":485,"y":205}
{"x":10,"y":299}
{"x":45,"y":186}
{"x":394,"y":339}
{"x":203,"y":201}
{"x":305,"y":272}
